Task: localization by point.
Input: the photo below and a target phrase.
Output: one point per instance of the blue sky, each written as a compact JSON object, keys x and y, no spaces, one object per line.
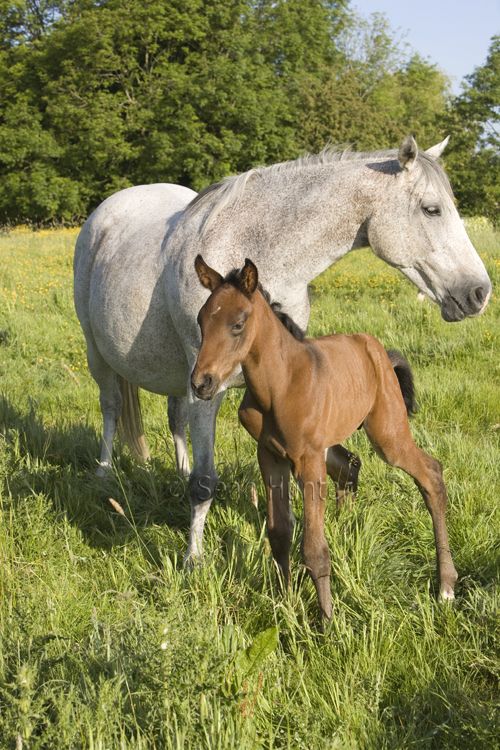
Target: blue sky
{"x":454,"y":34}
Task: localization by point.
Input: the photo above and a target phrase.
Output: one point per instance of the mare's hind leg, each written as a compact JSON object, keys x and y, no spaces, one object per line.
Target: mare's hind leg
{"x":391,"y":437}
{"x":111,"y":404}
{"x":343,"y":468}
{"x":178,"y":422}
{"x":276,"y":476}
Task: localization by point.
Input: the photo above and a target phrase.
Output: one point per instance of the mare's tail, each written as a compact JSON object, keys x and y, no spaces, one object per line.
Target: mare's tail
{"x":131,"y":421}
{"x":405,"y":377}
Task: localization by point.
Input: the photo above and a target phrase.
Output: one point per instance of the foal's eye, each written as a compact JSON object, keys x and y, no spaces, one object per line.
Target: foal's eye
{"x":238,"y":327}
{"x":432,"y":210}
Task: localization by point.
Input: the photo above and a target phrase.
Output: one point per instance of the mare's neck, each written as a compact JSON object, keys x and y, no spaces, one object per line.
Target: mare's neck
{"x":273,"y":357}
{"x":296,"y":225}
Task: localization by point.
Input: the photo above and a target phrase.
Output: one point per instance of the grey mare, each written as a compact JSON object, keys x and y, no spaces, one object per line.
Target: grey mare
{"x":137,"y":294}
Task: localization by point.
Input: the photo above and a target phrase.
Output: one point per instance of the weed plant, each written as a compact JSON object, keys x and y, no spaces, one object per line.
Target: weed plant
{"x":106,"y":643}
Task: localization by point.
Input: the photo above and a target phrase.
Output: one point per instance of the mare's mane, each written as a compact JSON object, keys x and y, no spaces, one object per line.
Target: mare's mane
{"x":233,"y":278}
{"x":215,"y":198}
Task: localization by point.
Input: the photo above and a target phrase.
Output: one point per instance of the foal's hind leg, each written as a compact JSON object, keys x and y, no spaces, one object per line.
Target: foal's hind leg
{"x":343,"y":468}
{"x":276,"y":476}
{"x":394,"y":443}
{"x":178,"y":422}
{"x":111,"y":404}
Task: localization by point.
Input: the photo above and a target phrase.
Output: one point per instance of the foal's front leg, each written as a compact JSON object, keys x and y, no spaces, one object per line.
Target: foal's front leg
{"x":314,"y":547}
{"x":276,"y":476}
{"x":343,"y":468}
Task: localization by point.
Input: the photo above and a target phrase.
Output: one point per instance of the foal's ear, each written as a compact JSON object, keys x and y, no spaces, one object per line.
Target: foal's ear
{"x":408,"y":152}
{"x":209,"y":278}
{"x":249,"y":278}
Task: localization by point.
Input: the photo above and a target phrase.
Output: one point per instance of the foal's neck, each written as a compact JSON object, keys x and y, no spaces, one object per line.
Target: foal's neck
{"x":273,"y":358}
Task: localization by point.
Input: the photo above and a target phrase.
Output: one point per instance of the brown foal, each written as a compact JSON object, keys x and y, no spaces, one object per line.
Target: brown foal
{"x":303,"y":398}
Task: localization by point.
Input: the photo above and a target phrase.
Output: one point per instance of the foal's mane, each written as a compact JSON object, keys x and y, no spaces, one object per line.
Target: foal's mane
{"x":233,"y":278}
{"x":215,"y":198}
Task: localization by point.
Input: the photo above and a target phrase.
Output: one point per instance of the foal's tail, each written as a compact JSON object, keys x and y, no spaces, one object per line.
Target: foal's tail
{"x":131,"y":421}
{"x":405,"y":377}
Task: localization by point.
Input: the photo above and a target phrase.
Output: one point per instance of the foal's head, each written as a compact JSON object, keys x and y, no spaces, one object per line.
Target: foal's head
{"x":227,"y":323}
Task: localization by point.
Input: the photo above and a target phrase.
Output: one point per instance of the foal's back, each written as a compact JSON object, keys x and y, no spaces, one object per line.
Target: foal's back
{"x":355,"y":372}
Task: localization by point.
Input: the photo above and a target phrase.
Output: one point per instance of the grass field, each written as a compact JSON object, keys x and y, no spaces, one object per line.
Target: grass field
{"x":105,"y":643}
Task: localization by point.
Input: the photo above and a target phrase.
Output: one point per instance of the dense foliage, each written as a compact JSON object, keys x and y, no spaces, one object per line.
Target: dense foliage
{"x":375,"y":96}
{"x":98,"y":95}
{"x":474,"y":155}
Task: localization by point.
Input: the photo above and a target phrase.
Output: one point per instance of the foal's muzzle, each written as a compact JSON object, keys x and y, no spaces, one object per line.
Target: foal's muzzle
{"x":204,"y":386}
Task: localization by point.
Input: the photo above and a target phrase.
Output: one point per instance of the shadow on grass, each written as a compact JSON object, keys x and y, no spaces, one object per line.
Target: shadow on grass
{"x":59,"y":461}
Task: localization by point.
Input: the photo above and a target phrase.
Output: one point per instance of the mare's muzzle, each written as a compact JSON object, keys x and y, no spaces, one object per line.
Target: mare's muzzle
{"x":204,"y":386}
{"x":460,"y":304}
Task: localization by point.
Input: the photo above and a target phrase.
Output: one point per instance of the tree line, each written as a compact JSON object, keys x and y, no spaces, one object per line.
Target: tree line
{"x":98,"y":95}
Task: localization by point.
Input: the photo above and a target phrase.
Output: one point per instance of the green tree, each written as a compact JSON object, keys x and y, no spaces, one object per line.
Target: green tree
{"x":131,"y":91}
{"x":374,"y":95}
{"x":473,"y":158}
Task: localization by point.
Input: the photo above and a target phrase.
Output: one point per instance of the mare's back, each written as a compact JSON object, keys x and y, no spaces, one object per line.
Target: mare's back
{"x":134,"y":217}
{"x":124,"y":235}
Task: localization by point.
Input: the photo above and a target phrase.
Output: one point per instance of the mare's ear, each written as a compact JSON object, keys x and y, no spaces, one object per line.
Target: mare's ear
{"x":209,"y":278}
{"x":438,"y":149}
{"x":249,"y":278}
{"x":408,"y":152}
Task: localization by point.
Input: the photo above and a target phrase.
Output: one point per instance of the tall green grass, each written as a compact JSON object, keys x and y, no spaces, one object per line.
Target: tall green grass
{"x":106,"y":643}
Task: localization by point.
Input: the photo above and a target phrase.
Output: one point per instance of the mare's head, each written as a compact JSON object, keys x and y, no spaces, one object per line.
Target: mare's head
{"x":227,"y":323}
{"x":415,"y":227}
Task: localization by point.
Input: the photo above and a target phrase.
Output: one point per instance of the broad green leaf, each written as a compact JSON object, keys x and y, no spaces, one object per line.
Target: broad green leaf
{"x":251,"y":658}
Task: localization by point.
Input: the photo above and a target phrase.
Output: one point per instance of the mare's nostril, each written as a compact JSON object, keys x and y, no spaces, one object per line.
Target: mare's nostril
{"x":207,"y":382}
{"x":477,"y":297}
{"x":479,"y":294}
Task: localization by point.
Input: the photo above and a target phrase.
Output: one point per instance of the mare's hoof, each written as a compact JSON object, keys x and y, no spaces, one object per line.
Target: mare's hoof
{"x":105,"y":469}
{"x":191,"y":561}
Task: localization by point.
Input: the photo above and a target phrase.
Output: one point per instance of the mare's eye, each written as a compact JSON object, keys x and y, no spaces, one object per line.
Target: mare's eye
{"x":432,"y":210}
{"x":238,"y":327}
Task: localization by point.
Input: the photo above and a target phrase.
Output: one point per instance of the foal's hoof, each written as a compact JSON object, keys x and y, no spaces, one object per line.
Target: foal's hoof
{"x":446,"y":594}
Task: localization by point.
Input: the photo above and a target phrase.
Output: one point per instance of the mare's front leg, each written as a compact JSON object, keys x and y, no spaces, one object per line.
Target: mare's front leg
{"x":203,"y":478}
{"x":275,"y":472}
{"x":178,"y":422}
{"x":343,"y":468}
{"x":314,"y":547}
